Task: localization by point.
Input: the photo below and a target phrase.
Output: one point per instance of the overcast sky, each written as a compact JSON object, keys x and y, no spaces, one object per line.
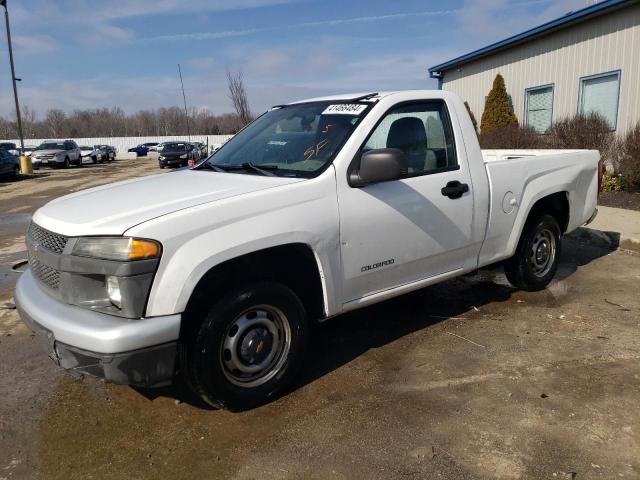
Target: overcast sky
{"x":88,"y":53}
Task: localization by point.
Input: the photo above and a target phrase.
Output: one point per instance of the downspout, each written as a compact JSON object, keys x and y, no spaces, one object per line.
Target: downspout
{"x":438,"y":76}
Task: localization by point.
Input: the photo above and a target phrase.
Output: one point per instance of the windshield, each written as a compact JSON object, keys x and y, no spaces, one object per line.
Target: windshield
{"x":51,"y":146}
{"x":174,"y":147}
{"x":295,"y":140}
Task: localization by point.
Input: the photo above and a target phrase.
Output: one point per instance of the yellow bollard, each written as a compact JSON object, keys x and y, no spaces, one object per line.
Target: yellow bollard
{"x":25,"y":164}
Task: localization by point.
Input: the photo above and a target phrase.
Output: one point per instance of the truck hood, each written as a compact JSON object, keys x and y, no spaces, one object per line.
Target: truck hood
{"x":112,"y":209}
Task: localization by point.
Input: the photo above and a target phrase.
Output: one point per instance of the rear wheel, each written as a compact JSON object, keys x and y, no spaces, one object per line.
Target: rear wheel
{"x":537,"y":256}
{"x":249,"y":345}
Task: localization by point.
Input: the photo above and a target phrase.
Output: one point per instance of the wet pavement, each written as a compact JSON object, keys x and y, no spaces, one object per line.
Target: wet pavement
{"x":468,"y":379}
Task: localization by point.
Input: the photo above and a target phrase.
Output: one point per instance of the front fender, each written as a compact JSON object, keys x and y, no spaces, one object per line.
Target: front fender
{"x":304,"y":213}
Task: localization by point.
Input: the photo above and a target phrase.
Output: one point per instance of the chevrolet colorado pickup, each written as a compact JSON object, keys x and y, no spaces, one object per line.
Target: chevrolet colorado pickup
{"x":316,"y":208}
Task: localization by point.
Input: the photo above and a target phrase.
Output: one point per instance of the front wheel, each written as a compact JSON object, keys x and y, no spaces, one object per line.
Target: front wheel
{"x":249,"y":345}
{"x":535,"y":262}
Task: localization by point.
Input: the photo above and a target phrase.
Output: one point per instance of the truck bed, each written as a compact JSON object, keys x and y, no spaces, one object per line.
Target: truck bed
{"x":522,"y":177}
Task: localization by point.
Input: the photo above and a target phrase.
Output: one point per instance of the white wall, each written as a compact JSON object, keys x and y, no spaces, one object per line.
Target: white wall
{"x":606,"y":43}
{"x":122,"y":144}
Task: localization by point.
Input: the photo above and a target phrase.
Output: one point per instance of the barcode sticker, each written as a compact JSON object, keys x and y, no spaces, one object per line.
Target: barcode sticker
{"x":344,"y":109}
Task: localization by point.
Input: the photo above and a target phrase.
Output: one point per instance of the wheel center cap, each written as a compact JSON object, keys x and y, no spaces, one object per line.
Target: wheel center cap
{"x":543,"y":251}
{"x":256,"y":346}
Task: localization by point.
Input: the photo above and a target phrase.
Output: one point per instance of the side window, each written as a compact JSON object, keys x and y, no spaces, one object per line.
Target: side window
{"x":422,"y":131}
{"x":600,"y":94}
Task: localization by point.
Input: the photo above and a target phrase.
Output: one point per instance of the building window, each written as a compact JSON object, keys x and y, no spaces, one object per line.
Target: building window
{"x":539,"y":108}
{"x":600,"y":94}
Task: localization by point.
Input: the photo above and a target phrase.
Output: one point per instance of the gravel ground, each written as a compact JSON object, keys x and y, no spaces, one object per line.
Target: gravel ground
{"x":469,"y":379}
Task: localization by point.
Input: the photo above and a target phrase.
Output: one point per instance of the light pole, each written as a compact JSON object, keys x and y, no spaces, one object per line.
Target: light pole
{"x":184,"y":98}
{"x":13,"y":74}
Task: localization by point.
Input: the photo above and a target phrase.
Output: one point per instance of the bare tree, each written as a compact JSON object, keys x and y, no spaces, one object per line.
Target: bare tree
{"x":28,"y":122}
{"x":54,"y":120}
{"x":238,"y":95}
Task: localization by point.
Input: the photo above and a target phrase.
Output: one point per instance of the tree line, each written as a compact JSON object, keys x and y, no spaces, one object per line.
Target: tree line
{"x":114,"y":122}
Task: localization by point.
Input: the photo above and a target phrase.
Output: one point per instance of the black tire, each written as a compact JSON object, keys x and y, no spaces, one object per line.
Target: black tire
{"x":94,"y":159}
{"x":66,"y":162}
{"x":211,"y":370}
{"x":537,"y":256}
{"x":161,"y":165}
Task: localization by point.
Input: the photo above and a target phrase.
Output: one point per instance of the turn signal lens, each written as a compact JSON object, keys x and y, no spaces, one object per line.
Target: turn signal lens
{"x":139,"y":249}
{"x":116,"y":248}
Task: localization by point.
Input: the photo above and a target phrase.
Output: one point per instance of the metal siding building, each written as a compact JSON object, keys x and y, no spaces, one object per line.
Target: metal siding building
{"x":566,"y":58}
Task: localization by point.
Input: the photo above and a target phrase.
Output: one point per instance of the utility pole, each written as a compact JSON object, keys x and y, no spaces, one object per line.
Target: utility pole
{"x":184,"y":99}
{"x":13,"y":74}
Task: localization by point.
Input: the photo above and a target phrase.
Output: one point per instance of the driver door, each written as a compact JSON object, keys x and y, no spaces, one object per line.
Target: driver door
{"x":402,"y":231}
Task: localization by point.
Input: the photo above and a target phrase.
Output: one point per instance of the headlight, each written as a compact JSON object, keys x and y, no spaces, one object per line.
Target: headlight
{"x":161,"y":157}
{"x":116,"y":248}
{"x":183,"y":156}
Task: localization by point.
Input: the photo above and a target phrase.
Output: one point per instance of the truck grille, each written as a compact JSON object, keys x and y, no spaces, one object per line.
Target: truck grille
{"x":47,"y":275}
{"x":49,"y":240}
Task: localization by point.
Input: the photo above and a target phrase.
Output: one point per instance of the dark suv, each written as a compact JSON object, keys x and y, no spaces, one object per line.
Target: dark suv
{"x":177,"y":154}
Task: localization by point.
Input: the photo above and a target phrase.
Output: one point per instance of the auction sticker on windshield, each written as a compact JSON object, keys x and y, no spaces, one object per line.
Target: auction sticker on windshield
{"x":344,"y":109}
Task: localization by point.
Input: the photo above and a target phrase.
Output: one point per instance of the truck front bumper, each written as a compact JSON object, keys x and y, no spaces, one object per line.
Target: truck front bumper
{"x":140,"y":352}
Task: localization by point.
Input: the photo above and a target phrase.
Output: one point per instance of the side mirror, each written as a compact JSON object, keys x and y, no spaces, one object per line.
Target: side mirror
{"x":379,"y":165}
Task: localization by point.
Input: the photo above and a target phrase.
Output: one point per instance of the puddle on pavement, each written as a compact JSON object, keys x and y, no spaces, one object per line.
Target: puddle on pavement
{"x":15,"y":219}
{"x":132,"y":436}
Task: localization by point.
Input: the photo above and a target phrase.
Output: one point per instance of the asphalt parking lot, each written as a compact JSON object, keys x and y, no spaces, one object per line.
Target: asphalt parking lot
{"x":469,"y":379}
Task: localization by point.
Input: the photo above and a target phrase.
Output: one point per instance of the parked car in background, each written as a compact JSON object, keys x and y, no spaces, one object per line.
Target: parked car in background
{"x":28,"y":150}
{"x":10,"y":147}
{"x":9,"y":164}
{"x":197,"y":152}
{"x":203,"y":149}
{"x":57,"y":153}
{"x":108,"y":151}
{"x":142,"y":149}
{"x":92,"y":154}
{"x":177,"y":154}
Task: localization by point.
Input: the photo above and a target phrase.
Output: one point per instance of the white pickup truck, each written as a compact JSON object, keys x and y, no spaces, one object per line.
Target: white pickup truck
{"x":316,"y":208}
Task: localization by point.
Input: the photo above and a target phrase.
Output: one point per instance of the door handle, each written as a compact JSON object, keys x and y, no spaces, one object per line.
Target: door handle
{"x":454,"y":189}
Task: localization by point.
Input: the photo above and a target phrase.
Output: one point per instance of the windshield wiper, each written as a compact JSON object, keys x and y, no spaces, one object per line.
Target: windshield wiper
{"x":211,"y":166}
{"x":263,"y":169}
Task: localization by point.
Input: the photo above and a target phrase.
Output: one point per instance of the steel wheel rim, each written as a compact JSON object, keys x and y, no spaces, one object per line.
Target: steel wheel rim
{"x":255,"y":346}
{"x":543,"y":252}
